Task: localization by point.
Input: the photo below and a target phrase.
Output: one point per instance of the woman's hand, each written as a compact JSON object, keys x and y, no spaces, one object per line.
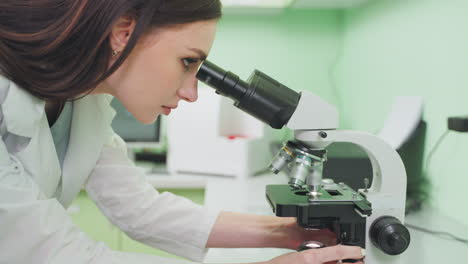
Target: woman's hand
{"x":325,"y":255}
{"x":297,"y":235}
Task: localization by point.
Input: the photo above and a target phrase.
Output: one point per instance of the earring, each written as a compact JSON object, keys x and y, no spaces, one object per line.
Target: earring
{"x":115,"y":53}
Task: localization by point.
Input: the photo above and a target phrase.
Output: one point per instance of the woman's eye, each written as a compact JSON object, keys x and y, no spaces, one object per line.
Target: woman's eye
{"x":189,"y":61}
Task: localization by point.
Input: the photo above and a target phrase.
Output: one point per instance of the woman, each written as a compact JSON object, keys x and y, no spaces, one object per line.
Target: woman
{"x":61,"y":62}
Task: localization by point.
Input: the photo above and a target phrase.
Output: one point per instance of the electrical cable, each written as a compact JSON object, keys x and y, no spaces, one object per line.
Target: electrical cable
{"x":441,"y":234}
{"x":434,"y":149}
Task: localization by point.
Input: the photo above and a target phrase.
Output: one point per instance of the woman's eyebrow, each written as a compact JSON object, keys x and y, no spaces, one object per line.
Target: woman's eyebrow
{"x":201,"y":53}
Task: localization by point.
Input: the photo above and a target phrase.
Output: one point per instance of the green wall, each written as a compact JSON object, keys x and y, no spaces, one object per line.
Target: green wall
{"x":296,"y":47}
{"x":419,"y":47}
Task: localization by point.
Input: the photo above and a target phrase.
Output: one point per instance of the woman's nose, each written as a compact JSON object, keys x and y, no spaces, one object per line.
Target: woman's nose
{"x":189,"y":92}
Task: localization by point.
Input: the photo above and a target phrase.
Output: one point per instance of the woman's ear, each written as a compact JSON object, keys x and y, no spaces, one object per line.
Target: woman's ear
{"x":121,"y":32}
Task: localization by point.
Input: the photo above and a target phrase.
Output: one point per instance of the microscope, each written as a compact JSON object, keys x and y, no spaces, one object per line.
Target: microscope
{"x":371,"y":218}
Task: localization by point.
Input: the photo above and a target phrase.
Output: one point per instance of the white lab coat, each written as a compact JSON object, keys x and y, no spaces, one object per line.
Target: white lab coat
{"x":34,"y":192}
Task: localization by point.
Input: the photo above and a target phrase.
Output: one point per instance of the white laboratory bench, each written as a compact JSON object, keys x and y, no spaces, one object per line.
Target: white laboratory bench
{"x":248,"y":195}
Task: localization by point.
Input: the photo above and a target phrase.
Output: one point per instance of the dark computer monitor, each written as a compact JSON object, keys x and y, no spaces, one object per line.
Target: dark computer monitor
{"x":136,"y":134}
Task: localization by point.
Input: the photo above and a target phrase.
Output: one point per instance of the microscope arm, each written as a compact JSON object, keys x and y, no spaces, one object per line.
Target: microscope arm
{"x":389,"y":175}
{"x":313,"y":113}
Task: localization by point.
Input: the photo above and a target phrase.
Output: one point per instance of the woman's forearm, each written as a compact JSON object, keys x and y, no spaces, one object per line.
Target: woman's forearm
{"x":238,"y":230}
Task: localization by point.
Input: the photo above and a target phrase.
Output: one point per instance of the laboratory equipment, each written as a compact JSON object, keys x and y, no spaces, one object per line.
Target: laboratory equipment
{"x":458,"y":123}
{"x":372,"y":217}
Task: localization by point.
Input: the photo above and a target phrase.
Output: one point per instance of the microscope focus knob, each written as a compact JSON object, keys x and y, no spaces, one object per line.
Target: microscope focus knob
{"x":390,"y":235}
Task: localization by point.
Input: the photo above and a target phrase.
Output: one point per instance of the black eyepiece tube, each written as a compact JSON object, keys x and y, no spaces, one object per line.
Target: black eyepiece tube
{"x":262,"y":97}
{"x":226,"y":83}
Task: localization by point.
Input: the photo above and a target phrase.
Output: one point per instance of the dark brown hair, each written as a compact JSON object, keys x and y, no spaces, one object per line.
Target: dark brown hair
{"x":59,"y":49}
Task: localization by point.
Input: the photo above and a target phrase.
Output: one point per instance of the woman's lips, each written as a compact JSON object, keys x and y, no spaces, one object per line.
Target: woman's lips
{"x":167,"y":109}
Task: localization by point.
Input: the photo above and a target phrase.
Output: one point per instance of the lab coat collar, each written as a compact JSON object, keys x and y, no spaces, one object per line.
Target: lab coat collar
{"x":22,"y":111}
{"x":90,"y":129}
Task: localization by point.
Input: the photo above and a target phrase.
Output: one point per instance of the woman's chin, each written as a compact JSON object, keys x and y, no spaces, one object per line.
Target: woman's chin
{"x":147,"y":119}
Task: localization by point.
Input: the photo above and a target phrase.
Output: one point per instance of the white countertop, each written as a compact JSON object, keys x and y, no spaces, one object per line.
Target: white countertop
{"x":427,"y":248}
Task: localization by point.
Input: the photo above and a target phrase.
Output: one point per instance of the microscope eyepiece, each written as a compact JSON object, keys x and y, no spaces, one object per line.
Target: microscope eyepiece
{"x":226,"y":83}
{"x":261,"y":96}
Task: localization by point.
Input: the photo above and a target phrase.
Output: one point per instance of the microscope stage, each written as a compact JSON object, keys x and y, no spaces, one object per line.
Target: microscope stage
{"x":341,"y":202}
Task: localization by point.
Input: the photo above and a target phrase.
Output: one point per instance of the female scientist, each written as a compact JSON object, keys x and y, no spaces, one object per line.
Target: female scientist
{"x":61,"y":63}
